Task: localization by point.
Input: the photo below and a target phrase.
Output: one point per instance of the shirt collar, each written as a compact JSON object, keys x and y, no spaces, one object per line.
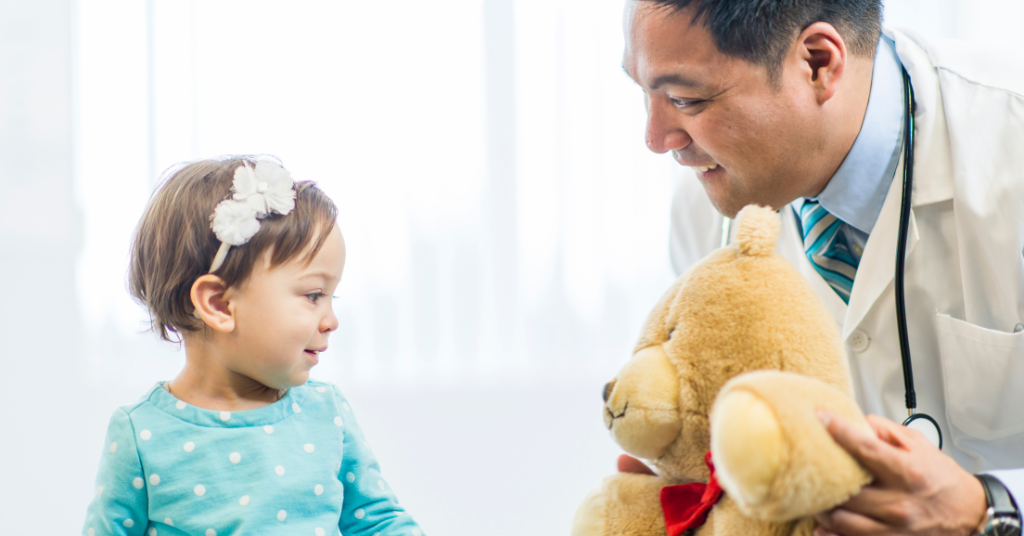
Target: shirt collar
{"x":856,"y":192}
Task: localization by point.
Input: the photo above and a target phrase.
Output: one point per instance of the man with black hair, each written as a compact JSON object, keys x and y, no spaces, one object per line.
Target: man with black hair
{"x":799,"y":105}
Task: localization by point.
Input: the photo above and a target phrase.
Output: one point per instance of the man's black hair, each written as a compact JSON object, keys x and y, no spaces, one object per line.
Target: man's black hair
{"x":761,"y":31}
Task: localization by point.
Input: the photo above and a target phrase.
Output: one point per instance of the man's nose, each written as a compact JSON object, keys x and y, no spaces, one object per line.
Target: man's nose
{"x":664,"y":130}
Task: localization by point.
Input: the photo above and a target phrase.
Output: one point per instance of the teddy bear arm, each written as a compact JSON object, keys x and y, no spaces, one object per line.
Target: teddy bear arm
{"x":622,"y":505}
{"x":772,"y":454}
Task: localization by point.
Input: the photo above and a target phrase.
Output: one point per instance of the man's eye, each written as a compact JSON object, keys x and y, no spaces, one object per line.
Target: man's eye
{"x":685,"y":104}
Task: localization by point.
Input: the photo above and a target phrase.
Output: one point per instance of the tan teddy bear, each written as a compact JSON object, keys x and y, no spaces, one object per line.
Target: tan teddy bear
{"x":730,"y":368}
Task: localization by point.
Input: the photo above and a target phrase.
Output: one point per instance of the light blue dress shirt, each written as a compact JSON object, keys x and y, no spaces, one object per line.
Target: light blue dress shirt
{"x":298,"y":466}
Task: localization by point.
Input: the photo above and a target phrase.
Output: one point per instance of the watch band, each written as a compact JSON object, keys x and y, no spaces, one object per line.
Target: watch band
{"x":1003,"y":517}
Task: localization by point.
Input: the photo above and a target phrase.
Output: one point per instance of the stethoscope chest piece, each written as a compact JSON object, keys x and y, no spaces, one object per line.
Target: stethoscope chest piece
{"x":927,"y":426}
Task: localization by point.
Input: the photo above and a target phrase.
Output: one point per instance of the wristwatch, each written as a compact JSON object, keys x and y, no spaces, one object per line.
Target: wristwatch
{"x":1002,"y":517}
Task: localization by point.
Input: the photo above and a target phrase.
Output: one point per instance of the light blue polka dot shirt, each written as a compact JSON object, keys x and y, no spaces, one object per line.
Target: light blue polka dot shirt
{"x":299,"y":466}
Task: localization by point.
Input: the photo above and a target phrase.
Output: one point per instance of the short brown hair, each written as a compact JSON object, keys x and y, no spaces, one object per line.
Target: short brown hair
{"x":173,"y":244}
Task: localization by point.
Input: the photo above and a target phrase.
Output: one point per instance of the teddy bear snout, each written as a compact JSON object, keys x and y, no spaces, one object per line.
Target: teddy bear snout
{"x":641,"y":405}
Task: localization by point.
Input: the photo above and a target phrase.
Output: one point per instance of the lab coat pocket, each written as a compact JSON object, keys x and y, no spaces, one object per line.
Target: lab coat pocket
{"x":983,"y":370}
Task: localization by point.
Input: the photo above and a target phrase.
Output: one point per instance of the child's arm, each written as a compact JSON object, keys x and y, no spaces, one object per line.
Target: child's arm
{"x":370,"y":507}
{"x":120,"y":504}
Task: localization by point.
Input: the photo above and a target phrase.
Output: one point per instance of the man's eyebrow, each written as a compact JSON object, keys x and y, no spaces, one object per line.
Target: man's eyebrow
{"x":675,"y":80}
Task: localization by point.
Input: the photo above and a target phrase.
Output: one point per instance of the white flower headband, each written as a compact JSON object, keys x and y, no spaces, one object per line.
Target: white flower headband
{"x":256,"y":194}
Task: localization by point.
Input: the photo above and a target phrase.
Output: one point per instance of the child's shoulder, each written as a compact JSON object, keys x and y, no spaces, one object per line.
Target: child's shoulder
{"x":327,"y":394}
{"x":325,"y":388}
{"x":129,"y":409}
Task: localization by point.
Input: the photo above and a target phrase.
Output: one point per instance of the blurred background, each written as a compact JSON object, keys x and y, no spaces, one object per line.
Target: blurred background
{"x":507,"y":230}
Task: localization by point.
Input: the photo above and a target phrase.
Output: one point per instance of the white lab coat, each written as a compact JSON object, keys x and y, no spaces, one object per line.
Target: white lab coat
{"x":965,"y":259}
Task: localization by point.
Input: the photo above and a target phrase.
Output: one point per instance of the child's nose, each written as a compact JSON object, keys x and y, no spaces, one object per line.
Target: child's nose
{"x":329,"y":323}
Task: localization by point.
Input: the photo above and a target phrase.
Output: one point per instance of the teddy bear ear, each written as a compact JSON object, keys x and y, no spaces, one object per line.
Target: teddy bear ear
{"x":757,"y":230}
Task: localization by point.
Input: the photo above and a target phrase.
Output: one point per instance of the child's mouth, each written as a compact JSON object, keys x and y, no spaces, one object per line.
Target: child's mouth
{"x":314,"y":354}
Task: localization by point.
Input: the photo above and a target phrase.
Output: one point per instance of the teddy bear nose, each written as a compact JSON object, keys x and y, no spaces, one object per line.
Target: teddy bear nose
{"x":607,"y":390}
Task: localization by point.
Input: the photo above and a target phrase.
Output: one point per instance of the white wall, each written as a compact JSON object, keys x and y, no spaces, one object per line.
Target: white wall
{"x":507,"y":230}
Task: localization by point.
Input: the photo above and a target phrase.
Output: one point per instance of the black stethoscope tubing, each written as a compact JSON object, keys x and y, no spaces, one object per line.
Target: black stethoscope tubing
{"x":901,"y":256}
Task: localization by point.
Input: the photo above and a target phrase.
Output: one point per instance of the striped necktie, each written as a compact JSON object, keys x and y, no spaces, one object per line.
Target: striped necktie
{"x":828,"y":249}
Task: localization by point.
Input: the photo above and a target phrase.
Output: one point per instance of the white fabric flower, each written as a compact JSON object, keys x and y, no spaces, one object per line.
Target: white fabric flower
{"x":267,"y":189}
{"x":234,"y":223}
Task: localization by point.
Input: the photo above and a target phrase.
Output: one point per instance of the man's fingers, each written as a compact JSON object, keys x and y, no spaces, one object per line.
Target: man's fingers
{"x":885,"y":505}
{"x":629,"y":464}
{"x":898,"y":435}
{"x":880,"y":457}
{"x":847,"y":523}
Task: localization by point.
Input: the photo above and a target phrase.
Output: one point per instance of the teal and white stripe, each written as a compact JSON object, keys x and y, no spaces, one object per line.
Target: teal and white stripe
{"x":828,"y":249}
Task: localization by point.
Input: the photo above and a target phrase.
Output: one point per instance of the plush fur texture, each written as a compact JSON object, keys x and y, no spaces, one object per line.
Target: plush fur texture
{"x":742,"y":351}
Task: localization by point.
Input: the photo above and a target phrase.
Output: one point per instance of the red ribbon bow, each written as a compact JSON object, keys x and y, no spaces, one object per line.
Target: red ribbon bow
{"x":686,"y":506}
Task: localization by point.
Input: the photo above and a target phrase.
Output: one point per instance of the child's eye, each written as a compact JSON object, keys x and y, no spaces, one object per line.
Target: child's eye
{"x":315,"y":296}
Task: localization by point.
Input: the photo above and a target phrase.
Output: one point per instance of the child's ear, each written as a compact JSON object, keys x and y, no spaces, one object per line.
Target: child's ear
{"x":212,"y":307}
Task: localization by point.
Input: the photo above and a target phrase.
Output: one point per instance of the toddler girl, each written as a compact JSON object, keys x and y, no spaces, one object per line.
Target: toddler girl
{"x":240,"y":262}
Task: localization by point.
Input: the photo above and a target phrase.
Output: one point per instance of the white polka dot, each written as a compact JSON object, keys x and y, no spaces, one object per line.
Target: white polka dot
{"x":244,"y":500}
{"x":180,"y":405}
{"x":360,"y":513}
{"x":99,"y":491}
{"x":376,"y":534}
{"x":189,"y":447}
{"x":279,"y":470}
{"x":235,"y":457}
{"x":321,"y":389}
{"x":416,"y":532}
{"x":281,"y":515}
{"x":350,"y":477}
{"x":346,"y":406}
{"x":168,"y":522}
{"x":380,"y":484}
{"x":211,"y":532}
{"x":145,"y":435}
{"x":113,"y":447}
{"x":200,"y":490}
{"x":225,"y":416}
{"x":296,"y":408}
{"x":154,"y":479}
{"x":319,"y":531}
{"x":337,"y":421}
{"x":128,"y":523}
{"x":92,"y":532}
{"x":308,"y":447}
{"x":319,"y":490}
{"x":152,"y":531}
{"x":138,"y":483}
{"x":268,"y":429}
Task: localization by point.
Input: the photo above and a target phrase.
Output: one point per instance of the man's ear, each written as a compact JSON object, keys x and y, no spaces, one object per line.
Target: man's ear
{"x":822,"y":57}
{"x":212,"y":307}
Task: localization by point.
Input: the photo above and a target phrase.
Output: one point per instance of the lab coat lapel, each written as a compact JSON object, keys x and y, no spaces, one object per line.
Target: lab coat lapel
{"x":791,"y":246}
{"x":878,"y":263}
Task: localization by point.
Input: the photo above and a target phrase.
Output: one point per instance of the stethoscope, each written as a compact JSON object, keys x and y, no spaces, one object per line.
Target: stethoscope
{"x":922,"y":422}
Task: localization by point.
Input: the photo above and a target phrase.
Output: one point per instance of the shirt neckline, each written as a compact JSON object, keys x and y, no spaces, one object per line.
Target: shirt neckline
{"x":286,"y":406}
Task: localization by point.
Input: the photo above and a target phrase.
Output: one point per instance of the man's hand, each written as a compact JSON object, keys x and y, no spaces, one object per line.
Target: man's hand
{"x":917,"y":489}
{"x":629,"y":464}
